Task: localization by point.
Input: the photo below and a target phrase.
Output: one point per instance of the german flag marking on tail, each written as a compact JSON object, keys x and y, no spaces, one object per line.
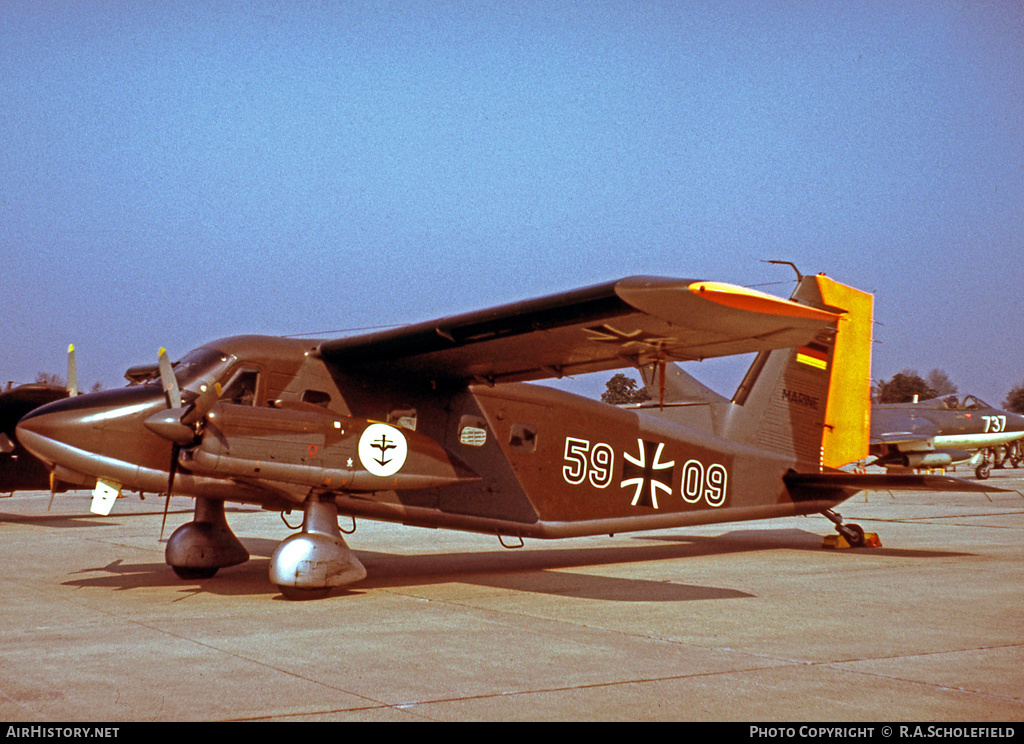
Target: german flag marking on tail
{"x":812,"y":356}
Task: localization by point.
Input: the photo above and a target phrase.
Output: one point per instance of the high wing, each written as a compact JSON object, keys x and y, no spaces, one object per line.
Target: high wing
{"x":629,"y":322}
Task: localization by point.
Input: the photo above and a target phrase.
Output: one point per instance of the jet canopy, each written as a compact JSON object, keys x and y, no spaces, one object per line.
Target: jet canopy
{"x":967,"y":403}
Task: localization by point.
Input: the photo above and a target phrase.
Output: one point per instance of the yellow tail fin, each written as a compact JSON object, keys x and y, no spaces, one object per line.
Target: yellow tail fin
{"x":848,"y":412}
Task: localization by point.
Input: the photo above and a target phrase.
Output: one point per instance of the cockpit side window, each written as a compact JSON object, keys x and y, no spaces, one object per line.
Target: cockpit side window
{"x":241,"y":390}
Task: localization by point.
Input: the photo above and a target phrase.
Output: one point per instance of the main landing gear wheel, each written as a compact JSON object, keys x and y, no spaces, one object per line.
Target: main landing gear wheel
{"x":198,"y":549}
{"x":310,"y":563}
{"x":983,"y":471}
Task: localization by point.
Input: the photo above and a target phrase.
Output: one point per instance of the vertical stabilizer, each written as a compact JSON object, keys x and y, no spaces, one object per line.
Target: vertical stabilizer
{"x":848,"y":416}
{"x":812,"y":402}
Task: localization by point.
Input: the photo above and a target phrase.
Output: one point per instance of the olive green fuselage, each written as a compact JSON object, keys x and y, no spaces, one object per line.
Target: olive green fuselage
{"x":513,"y":459}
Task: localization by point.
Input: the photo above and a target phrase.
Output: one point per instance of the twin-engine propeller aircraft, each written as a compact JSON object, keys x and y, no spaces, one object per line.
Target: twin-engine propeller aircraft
{"x":432,"y":425}
{"x":944,"y":431}
{"x":19,"y":470}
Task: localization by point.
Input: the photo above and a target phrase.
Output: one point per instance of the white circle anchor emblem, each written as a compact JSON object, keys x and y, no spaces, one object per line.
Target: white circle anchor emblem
{"x":382,"y":449}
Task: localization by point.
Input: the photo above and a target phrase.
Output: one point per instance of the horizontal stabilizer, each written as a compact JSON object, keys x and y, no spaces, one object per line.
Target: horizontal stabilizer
{"x":856,"y":482}
{"x":670,"y":384}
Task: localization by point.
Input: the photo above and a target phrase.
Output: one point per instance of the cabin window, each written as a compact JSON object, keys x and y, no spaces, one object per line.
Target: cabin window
{"x":472,"y":431}
{"x":316,"y":397}
{"x":404,"y":418}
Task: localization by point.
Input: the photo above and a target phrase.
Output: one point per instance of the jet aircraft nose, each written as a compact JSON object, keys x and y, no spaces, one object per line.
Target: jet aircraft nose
{"x":89,"y":435}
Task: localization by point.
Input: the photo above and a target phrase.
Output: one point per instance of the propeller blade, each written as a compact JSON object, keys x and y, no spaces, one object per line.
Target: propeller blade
{"x":72,"y":371}
{"x":202,"y":405}
{"x":170,"y":382}
{"x":179,"y":430}
{"x":172,"y":471}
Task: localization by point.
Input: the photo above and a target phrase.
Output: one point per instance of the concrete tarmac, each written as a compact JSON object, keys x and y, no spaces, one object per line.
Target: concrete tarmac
{"x":752,"y":621}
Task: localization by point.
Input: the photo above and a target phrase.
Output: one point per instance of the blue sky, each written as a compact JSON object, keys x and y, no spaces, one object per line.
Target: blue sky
{"x":174,"y":172}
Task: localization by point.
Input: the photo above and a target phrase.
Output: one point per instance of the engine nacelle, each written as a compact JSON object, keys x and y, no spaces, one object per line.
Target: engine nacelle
{"x":319,"y":450}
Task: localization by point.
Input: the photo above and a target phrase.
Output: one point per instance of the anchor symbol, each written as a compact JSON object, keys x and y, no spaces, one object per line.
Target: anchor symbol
{"x":384,"y":444}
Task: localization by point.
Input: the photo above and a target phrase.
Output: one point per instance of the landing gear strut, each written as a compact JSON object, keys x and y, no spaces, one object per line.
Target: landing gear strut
{"x":1015,"y":454}
{"x":852,"y":533}
{"x":310,"y":563}
{"x":198,"y":549}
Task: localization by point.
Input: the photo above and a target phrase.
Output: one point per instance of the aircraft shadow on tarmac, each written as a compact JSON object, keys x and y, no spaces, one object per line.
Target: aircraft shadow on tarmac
{"x":530,"y":570}
{"x":64,"y":520}
{"x":59,"y":521}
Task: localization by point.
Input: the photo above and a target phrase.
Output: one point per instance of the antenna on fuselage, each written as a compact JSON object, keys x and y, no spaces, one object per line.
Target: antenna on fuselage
{"x":792,"y":265}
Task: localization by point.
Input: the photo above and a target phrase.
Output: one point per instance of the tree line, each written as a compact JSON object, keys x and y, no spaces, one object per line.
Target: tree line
{"x":900,"y":388}
{"x":904,"y":386}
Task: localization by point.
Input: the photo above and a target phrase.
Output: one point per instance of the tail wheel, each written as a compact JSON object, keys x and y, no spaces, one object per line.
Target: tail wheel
{"x":853,"y":534}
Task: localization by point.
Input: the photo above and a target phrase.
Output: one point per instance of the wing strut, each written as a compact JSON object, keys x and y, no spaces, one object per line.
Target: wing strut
{"x":661,"y":385}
